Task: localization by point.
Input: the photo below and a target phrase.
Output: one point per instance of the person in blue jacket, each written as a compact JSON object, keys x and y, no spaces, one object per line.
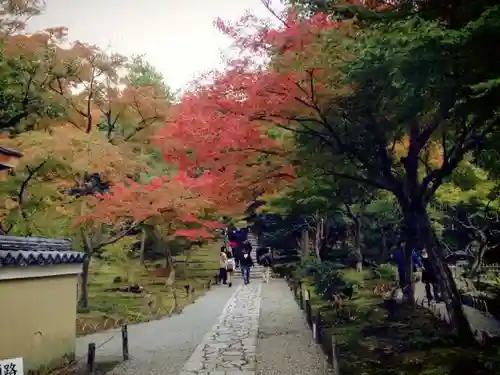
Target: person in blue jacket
{"x":399,"y":259}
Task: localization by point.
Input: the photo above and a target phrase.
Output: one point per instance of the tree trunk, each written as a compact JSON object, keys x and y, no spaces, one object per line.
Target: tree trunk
{"x":319,"y":235}
{"x":357,"y":244}
{"x":83,"y":299}
{"x":478,"y":260}
{"x":420,"y":233}
{"x":169,"y":266}
{"x":385,"y":249}
{"x":304,"y":246}
{"x":143,"y":245}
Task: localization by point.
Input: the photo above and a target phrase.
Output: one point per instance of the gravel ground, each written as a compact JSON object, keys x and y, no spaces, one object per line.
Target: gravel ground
{"x":285,"y":345}
{"x":161,"y":346}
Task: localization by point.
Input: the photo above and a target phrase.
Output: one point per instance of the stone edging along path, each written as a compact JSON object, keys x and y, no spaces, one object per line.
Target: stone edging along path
{"x":229,"y":348}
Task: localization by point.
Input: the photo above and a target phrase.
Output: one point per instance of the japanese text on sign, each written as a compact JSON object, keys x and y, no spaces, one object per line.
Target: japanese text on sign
{"x":12,"y":366}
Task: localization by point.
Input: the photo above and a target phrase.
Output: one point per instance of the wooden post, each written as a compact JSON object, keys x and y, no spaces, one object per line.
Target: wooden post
{"x":308,"y":309}
{"x":125,"y":342}
{"x":317,"y":327}
{"x":91,"y":358}
{"x":335,"y":361}
{"x":301,"y":296}
{"x":315,"y":331}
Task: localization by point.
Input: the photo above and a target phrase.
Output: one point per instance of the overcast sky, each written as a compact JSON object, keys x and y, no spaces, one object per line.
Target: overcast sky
{"x":177,"y":36}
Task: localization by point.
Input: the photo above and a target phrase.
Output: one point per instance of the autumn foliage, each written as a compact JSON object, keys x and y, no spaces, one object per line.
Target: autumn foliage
{"x":177,"y":202}
{"x":223,"y":126}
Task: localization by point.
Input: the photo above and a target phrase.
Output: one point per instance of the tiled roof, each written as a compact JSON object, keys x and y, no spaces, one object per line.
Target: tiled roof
{"x":36,"y":251}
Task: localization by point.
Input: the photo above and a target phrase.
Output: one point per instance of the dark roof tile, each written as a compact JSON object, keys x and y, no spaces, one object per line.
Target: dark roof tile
{"x":36,"y":251}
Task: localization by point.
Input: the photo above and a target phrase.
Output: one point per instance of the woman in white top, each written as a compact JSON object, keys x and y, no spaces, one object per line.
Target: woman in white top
{"x":223,"y":266}
{"x":230,"y":266}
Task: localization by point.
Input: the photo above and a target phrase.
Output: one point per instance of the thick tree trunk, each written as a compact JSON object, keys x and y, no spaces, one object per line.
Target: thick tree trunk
{"x":420,"y":234}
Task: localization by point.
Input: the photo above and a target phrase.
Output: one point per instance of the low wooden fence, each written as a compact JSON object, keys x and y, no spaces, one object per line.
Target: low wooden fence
{"x":314,"y":321}
{"x":90,"y":367}
{"x":87,"y":364}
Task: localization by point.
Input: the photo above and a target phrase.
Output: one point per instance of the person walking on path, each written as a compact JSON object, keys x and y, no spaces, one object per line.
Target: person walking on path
{"x":399,"y":259}
{"x":230,"y":267}
{"x":222,"y":266}
{"x":237,"y":251}
{"x":429,"y":278}
{"x":246,"y":262}
{"x":265,"y":259}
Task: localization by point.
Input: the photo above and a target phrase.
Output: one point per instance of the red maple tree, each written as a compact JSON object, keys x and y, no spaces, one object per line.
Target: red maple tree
{"x":223,"y":126}
{"x":177,"y":201}
{"x":218,"y":136}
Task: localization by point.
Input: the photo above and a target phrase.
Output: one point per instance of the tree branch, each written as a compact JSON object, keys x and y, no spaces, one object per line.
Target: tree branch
{"x":22,"y":191}
{"x":118,"y":236}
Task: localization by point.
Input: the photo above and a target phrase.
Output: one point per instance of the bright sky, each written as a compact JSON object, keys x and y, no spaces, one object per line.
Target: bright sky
{"x":177,"y":36}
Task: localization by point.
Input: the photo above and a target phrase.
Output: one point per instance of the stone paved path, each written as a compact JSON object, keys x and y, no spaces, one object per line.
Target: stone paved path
{"x":230,"y":347}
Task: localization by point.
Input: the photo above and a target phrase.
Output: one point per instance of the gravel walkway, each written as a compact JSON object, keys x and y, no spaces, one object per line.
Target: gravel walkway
{"x":161,"y":346}
{"x":285,"y":345}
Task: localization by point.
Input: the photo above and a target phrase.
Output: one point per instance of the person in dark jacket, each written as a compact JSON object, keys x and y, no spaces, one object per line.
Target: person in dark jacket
{"x":246,"y":262}
{"x":247,"y":246}
{"x":429,"y":277}
{"x":237,"y":250}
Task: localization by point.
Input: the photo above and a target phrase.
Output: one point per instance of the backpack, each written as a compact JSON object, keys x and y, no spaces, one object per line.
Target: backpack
{"x":230,"y":264}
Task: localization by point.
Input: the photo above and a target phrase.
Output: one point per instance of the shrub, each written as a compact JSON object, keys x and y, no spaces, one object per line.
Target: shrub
{"x":328,"y":280}
{"x":387,"y":272}
{"x":285,"y":269}
{"x":307,"y":267}
{"x":354,"y":278}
